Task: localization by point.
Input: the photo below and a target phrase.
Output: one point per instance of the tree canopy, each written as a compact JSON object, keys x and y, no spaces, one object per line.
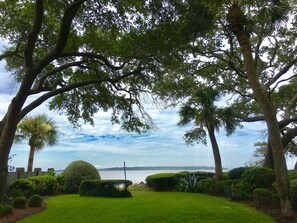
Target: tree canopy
{"x":90,"y":55}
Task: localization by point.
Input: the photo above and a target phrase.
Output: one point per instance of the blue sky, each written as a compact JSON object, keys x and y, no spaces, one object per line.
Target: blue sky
{"x":105,"y":145}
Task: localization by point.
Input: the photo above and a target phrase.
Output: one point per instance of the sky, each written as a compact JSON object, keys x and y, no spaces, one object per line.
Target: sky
{"x":106,"y":145}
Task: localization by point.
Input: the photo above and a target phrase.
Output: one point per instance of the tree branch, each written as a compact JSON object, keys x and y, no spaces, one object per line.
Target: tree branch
{"x":291,"y":105}
{"x":283,"y":71}
{"x":94,"y":56}
{"x":65,"y":27}
{"x":33,"y":34}
{"x":72,"y":86}
{"x":59,"y":69}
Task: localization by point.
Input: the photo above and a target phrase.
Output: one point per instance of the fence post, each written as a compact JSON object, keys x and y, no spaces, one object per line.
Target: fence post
{"x":37,"y":171}
{"x":20,"y":172}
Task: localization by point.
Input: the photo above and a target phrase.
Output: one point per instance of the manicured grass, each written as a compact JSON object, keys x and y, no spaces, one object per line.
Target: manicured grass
{"x":147,"y":206}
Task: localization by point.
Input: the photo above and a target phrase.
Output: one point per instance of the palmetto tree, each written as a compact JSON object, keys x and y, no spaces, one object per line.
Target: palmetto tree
{"x":40,"y":130}
{"x":200,"y":108}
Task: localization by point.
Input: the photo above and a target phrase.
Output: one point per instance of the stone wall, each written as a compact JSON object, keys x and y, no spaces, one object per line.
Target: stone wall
{"x":21,"y":173}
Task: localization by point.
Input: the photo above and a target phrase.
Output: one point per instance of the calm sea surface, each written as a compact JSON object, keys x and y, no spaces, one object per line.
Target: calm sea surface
{"x":136,"y":176}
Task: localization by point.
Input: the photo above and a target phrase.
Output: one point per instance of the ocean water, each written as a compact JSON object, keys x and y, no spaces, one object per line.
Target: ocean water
{"x":136,"y":176}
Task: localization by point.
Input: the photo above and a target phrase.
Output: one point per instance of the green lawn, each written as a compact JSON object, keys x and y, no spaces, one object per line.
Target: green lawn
{"x":147,"y":206}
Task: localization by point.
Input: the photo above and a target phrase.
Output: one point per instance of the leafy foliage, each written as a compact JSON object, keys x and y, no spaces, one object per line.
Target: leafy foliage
{"x":21,"y":187}
{"x":255,"y":177}
{"x":262,"y":197}
{"x":293,"y":184}
{"x":45,"y":184}
{"x":75,"y":173}
{"x":188,"y":181}
{"x":5,"y":210}
{"x":40,"y":131}
{"x":236,"y":173}
{"x":207,"y":186}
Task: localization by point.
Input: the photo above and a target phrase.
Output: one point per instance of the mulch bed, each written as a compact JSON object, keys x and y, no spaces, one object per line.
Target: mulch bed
{"x":19,"y":214}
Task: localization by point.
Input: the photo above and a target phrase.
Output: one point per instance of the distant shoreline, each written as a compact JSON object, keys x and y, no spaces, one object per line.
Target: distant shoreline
{"x":197,"y":168}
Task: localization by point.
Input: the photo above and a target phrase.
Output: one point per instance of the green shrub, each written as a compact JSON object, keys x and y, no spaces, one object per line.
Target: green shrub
{"x":45,"y":184}
{"x":226,"y":187}
{"x":240,"y":194}
{"x":21,"y":187}
{"x":19,"y":202}
{"x":293,"y":184}
{"x":35,"y":201}
{"x":187,"y":181}
{"x":75,"y":173}
{"x":292,"y":174}
{"x":105,"y":188}
{"x":5,"y":210}
{"x":207,"y":186}
{"x":162,"y":181}
{"x":258,"y":178}
{"x":236,"y":173}
{"x":262,"y":197}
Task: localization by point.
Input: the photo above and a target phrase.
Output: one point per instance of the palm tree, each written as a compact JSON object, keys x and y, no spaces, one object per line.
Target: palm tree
{"x":40,"y":130}
{"x":208,"y":118}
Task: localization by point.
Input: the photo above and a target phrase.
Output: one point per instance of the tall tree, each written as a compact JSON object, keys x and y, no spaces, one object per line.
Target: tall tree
{"x":200,"y":108}
{"x":237,"y":22}
{"x":250,"y":53}
{"x":90,"y":55}
{"x":40,"y":131}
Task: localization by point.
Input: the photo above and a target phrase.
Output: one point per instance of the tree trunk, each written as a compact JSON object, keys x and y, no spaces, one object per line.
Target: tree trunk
{"x":268,"y":160}
{"x":31,"y":158}
{"x":269,"y":112}
{"x":6,"y":140}
{"x":8,"y":129}
{"x":216,"y":153}
{"x":295,"y":167}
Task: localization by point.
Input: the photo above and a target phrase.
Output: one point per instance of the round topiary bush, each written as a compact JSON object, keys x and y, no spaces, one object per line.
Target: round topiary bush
{"x":19,"y":202}
{"x":35,"y":201}
{"x":75,"y":173}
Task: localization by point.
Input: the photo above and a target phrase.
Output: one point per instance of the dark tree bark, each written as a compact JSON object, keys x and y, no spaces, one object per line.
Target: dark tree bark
{"x":216,"y":153}
{"x":236,"y":19}
{"x":268,"y":160}
{"x":31,"y":158}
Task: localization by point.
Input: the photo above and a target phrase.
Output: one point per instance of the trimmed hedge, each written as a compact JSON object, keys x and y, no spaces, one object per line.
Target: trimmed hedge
{"x":75,"y":173}
{"x":258,"y":178}
{"x":162,"y":181}
{"x":236,"y":173}
{"x":105,"y":188}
